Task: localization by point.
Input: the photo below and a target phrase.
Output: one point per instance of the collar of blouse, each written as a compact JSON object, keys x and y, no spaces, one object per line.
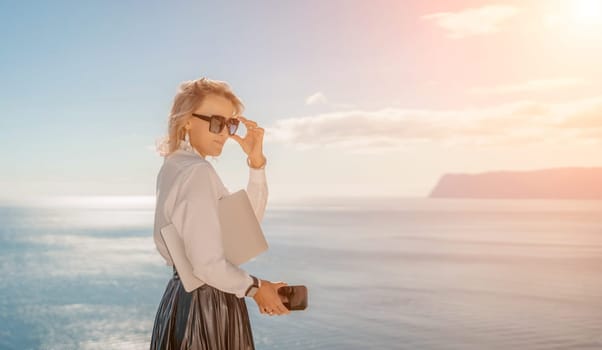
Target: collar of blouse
{"x":186,"y":146}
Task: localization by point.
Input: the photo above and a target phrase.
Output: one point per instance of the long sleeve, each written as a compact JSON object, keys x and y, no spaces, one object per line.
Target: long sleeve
{"x":196,"y":217}
{"x":257,"y":189}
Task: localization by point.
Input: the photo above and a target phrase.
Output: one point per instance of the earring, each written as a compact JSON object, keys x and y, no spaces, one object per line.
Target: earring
{"x":185,"y":143}
{"x":187,"y":146}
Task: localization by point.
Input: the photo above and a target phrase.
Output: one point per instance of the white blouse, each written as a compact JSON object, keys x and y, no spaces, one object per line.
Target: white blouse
{"x":188,"y":190}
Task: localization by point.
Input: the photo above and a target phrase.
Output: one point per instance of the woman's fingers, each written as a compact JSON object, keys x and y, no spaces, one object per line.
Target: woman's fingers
{"x":271,"y":303}
{"x":259,"y":131}
{"x":279,"y":309}
{"x":282,"y":309}
{"x":247,"y":122}
{"x":274,"y":308}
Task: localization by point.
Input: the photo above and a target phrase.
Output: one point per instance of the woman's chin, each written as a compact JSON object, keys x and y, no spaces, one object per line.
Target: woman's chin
{"x":217,"y":152}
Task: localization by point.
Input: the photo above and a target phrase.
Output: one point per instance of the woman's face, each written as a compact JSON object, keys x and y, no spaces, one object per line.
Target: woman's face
{"x":203,"y":140}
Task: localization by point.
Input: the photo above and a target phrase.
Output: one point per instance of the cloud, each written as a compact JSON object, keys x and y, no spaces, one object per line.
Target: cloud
{"x":343,"y":105}
{"x":528,"y":86}
{"x":394,"y":129}
{"x":586,"y":117}
{"x":473,"y":21}
{"x":316,"y":98}
{"x":319,"y":98}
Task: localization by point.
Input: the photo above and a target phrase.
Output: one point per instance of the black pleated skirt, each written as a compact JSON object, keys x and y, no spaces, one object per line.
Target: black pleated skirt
{"x":204,"y":319}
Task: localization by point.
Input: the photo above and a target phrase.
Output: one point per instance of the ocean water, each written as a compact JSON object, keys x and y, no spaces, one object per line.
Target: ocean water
{"x":405,"y":273}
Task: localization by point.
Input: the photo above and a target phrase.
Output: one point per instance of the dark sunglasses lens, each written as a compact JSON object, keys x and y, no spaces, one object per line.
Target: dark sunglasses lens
{"x":217,"y":124}
{"x":233,"y":126}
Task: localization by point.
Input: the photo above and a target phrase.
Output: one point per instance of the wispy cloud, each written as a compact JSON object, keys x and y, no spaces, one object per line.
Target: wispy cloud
{"x":320,"y":98}
{"x":343,"y":105}
{"x":316,"y":98}
{"x":394,"y":129}
{"x":528,"y":86}
{"x":473,"y":21}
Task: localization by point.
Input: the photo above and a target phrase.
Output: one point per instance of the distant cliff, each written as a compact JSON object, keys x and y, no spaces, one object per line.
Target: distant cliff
{"x":558,"y":183}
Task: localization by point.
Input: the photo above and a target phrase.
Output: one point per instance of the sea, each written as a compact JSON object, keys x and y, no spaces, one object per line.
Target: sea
{"x":382,"y":273}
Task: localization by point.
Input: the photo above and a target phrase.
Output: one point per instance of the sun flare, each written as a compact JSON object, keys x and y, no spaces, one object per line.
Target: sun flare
{"x":587,"y":11}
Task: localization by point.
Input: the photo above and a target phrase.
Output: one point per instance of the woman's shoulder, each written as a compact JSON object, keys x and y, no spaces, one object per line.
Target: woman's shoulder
{"x":181,"y":159}
{"x":183,"y":165}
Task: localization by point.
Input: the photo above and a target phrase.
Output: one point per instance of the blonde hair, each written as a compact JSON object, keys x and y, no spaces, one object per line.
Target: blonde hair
{"x":189,"y":97}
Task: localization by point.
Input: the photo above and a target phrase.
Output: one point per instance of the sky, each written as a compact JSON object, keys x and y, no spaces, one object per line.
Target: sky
{"x":357,"y":98}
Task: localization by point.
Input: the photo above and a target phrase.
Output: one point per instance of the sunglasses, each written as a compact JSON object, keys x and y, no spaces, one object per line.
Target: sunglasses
{"x":217,"y":123}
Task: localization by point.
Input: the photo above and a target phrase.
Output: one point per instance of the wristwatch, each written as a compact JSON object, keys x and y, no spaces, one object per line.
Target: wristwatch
{"x":254,"y":287}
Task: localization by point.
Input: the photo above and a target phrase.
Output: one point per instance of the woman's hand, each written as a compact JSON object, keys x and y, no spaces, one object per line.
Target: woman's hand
{"x":252,"y":143}
{"x":267,"y":299}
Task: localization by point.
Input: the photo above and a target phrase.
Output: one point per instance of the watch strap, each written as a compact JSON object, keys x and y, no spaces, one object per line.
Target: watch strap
{"x":255,"y":284}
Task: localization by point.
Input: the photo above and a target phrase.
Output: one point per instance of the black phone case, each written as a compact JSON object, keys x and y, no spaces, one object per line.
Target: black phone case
{"x":293,"y":297}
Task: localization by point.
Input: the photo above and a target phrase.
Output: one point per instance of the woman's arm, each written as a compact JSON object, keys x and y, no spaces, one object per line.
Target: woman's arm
{"x":257,"y":189}
{"x":196,"y":218}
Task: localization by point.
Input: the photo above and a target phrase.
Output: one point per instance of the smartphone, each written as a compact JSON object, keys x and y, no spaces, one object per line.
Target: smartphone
{"x":293,"y":297}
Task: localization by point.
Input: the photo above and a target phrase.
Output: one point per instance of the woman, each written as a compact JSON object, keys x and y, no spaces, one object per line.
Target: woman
{"x":204,"y":115}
